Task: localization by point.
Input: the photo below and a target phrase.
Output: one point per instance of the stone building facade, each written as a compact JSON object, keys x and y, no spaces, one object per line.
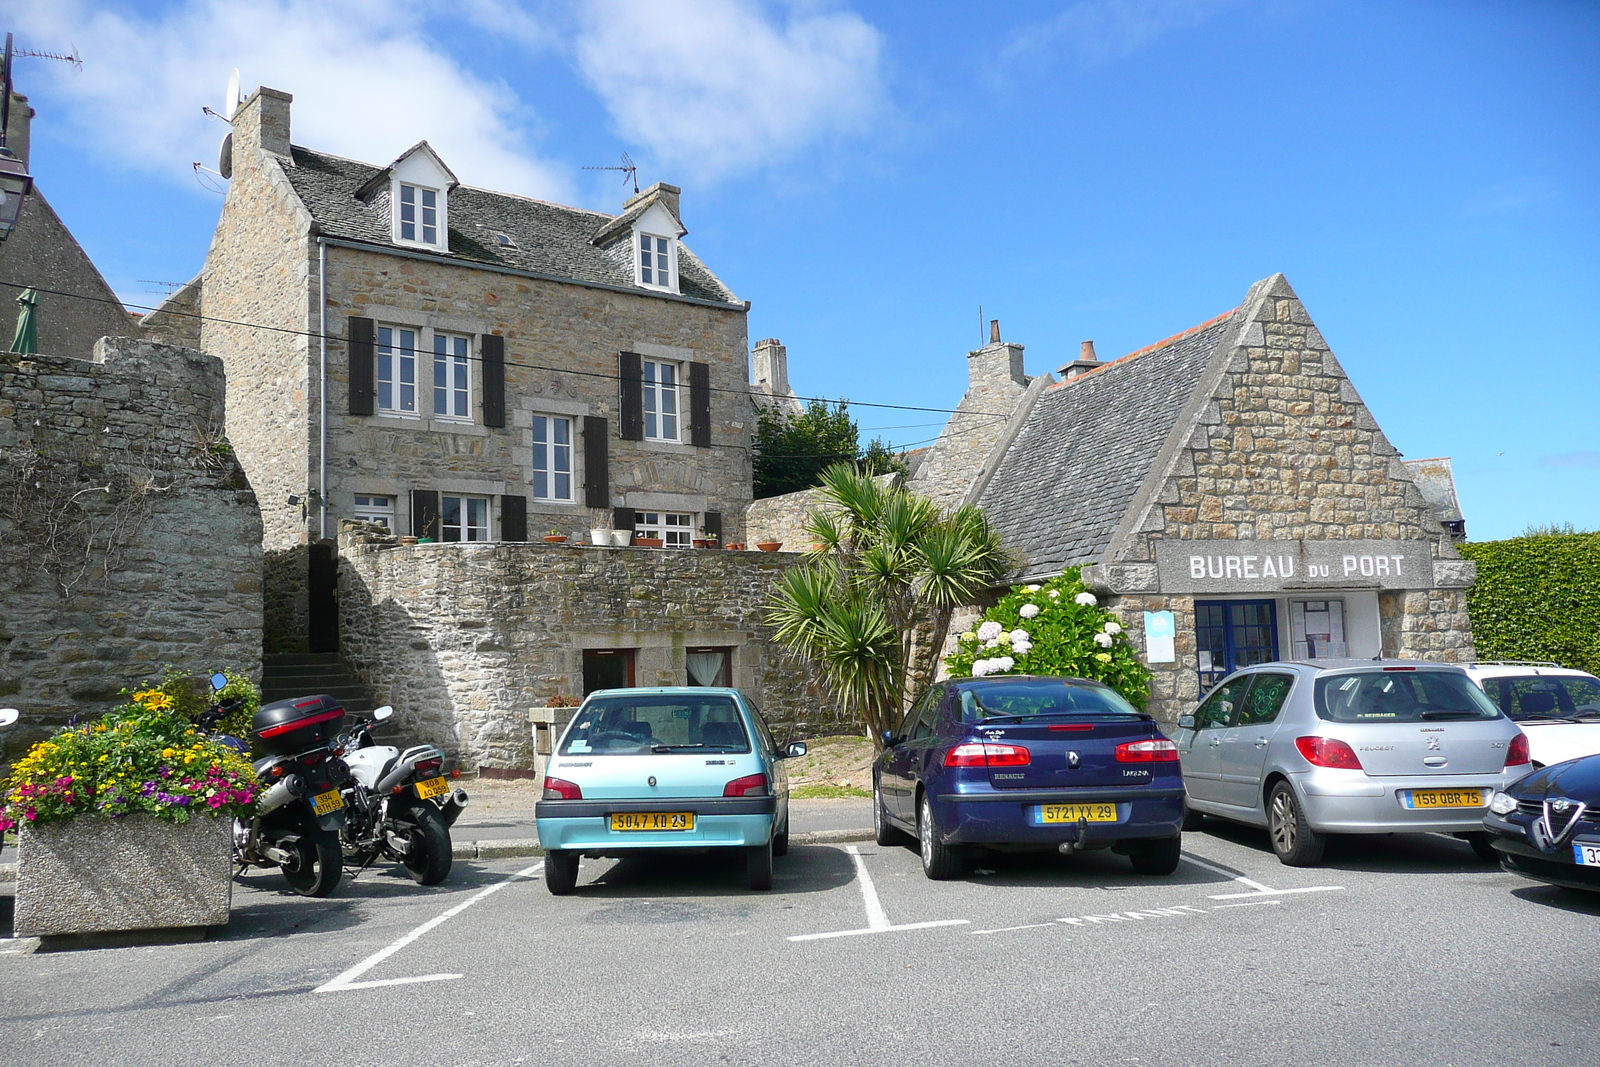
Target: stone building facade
{"x":465,"y":640}
{"x":461,"y":364}
{"x":1231,"y":494}
{"x":106,"y":586}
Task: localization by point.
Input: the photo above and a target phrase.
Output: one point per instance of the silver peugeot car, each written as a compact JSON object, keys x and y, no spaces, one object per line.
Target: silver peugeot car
{"x":1348,"y":747}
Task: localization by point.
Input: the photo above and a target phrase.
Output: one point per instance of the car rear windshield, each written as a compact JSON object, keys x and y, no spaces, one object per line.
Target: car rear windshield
{"x":1533,"y":698}
{"x":628,"y":725}
{"x":1401,"y":696}
{"x":1030,"y":698}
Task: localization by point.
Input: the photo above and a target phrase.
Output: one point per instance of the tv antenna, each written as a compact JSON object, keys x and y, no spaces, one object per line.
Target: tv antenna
{"x":5,"y":77}
{"x":629,"y":171}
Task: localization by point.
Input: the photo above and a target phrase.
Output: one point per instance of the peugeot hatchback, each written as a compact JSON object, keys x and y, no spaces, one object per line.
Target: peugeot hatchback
{"x":1022,"y":763}
{"x":670,"y":768}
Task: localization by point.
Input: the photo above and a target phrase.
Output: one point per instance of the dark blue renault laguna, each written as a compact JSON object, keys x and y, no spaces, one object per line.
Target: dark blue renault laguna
{"x":1022,"y":763}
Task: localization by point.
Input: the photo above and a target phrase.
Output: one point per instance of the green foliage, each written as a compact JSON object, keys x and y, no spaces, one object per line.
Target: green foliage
{"x":192,"y":696}
{"x":1537,"y":598}
{"x":1061,"y":639}
{"x":790,"y":453}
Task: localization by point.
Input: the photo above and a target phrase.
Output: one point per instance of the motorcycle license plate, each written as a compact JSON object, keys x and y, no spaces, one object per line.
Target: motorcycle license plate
{"x":323,"y":803}
{"x":432,"y":787}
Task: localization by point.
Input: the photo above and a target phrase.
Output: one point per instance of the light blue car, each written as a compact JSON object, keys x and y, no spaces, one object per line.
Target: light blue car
{"x":678,"y":767}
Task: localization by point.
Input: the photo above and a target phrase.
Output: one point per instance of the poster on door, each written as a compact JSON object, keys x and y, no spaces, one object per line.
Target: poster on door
{"x":1159,"y":633}
{"x":1317,"y":629}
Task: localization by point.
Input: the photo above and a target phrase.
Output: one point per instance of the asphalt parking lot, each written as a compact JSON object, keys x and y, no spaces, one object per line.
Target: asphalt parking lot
{"x":1403,"y":950}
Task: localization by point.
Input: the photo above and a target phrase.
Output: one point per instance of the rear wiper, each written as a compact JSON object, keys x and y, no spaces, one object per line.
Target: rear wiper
{"x":672,"y":748}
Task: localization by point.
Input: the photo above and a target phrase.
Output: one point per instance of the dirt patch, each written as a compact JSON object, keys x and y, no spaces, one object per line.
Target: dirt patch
{"x":833,"y":767}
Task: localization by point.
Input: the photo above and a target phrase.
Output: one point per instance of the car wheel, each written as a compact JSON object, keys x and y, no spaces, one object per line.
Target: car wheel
{"x":1157,"y":855}
{"x":758,"y":863}
{"x":1480,"y":842}
{"x":780,"y":843}
{"x":939,"y":860}
{"x":1192,"y":820}
{"x":1296,"y":844}
{"x":560,"y":871}
{"x":882,"y":832}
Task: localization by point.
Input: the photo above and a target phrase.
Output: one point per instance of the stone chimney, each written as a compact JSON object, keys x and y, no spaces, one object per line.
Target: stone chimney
{"x":1086,"y":362}
{"x":667,"y":194}
{"x":262,"y":122}
{"x":996,"y":361}
{"x":18,"y":128}
{"x":770,"y":369}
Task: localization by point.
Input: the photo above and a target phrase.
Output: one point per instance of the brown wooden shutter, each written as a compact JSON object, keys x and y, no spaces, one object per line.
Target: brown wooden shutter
{"x":513,"y":518}
{"x":700,"y":405}
{"x":630,"y":371}
{"x":425,"y":513}
{"x":596,"y":462}
{"x":494,"y":381}
{"x":713,"y":523}
{"x":360,"y":341}
{"x":622,"y":518}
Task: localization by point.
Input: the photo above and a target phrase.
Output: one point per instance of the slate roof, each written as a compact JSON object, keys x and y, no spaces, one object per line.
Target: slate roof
{"x":1437,"y":483}
{"x":1073,"y":470}
{"x":549,"y":239}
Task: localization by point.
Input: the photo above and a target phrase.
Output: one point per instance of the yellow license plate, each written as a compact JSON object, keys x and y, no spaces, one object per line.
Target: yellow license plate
{"x":1447,"y":798}
{"x":652,"y":820}
{"x":323,"y":803}
{"x":1051,"y":813}
{"x":432,"y":787}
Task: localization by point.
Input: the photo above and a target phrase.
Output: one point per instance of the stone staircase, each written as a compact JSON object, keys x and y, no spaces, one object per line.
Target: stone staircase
{"x":297,"y":674}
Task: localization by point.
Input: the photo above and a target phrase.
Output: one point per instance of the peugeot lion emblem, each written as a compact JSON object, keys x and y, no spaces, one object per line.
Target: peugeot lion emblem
{"x":652,"y":781}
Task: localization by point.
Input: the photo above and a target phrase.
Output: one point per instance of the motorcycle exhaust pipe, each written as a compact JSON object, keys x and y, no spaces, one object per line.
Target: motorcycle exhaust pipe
{"x":291,"y":788}
{"x":401,"y":772}
{"x":454,"y":807}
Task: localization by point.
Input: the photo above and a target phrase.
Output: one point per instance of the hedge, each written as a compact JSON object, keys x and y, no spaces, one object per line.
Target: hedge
{"x":1538,"y":598}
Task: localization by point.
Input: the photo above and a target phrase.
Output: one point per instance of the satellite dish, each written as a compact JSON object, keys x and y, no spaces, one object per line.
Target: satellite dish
{"x":225,"y":157}
{"x":231,"y":104}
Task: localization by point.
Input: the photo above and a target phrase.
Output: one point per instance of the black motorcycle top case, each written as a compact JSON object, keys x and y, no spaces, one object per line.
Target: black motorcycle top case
{"x":284,"y":727}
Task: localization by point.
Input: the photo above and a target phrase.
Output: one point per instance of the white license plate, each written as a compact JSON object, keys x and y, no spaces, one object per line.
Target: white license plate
{"x":1586,"y":855}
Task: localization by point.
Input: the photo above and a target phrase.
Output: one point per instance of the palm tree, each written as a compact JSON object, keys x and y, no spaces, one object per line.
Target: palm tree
{"x":887,"y":565}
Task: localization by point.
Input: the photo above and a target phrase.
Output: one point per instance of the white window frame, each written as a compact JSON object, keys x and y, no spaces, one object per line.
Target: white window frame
{"x":658,"y":397}
{"x":552,"y":458}
{"x":655,"y":261}
{"x":468,"y":508}
{"x":675,"y":528}
{"x":396,"y":370}
{"x":419,"y":210}
{"x":375,"y":507}
{"x":452,"y":358}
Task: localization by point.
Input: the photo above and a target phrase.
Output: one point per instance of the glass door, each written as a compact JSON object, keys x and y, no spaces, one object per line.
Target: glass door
{"x":1230,"y":634}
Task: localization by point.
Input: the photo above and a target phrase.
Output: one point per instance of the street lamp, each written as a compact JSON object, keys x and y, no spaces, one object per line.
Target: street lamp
{"x":15,"y":181}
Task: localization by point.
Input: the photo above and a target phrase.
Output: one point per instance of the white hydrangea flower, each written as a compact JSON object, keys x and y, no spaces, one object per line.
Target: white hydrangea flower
{"x":1031,"y":588}
{"x":1086,"y":599}
{"x":980,"y":667}
{"x":969,"y":636}
{"x":1004,"y":638}
{"x":1055,"y":594}
{"x":1113,"y":628}
{"x":991,"y":643}
{"x":1019,"y":634}
{"x":1103,"y":640}
{"x":1022,"y":648}
{"x":1029,"y":611}
{"x":990,"y":630}
{"x":1005,"y":663}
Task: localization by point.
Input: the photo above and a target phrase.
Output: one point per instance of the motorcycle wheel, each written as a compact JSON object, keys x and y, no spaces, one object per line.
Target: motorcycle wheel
{"x":320,"y":865}
{"x":427,"y":861}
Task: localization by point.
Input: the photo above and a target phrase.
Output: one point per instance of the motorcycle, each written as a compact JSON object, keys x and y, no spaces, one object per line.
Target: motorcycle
{"x":296,"y":823}
{"x":397,"y":804}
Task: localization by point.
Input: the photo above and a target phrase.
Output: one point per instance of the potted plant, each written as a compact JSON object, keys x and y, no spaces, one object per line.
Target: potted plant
{"x":124,"y":823}
{"x":641,"y":541}
{"x":621,"y":538}
{"x":734,"y":546}
{"x":555,"y":537}
{"x":769,"y":545}
{"x":600,"y":536}
{"x":705,"y":542}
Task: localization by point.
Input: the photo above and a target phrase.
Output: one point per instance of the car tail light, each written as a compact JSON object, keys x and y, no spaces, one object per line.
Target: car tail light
{"x":560,"y":789}
{"x":1399,"y":668}
{"x":1064,"y":727}
{"x":751,"y":785}
{"x":1328,"y":752}
{"x":1517,"y":752}
{"x":1153,"y":751}
{"x":428,"y":766}
{"x":977,"y":754}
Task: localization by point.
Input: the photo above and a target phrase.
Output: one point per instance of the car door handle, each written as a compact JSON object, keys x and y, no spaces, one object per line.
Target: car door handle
{"x":1215,"y":741}
{"x":1261,"y":742}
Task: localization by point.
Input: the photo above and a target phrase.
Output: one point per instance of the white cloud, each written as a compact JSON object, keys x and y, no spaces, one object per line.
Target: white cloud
{"x":1100,"y":30}
{"x":718,"y":87}
{"x":367,"y":82}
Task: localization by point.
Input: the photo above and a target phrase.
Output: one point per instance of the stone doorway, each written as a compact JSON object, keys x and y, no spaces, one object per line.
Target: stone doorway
{"x":322,"y":588}
{"x":607,"y":668}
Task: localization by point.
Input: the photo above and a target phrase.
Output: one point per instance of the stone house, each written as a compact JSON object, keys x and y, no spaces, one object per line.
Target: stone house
{"x":461,"y":365}
{"x":1227,"y":490}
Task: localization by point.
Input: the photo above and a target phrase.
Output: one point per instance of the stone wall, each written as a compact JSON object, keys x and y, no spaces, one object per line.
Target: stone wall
{"x":997,"y":397}
{"x":464,"y":639}
{"x":177,"y":320}
{"x":182,"y":583}
{"x":782,"y":518}
{"x":1430,"y":624}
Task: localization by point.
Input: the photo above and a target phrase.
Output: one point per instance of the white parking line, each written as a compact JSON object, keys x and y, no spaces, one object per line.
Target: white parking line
{"x":1257,"y":888}
{"x":877,"y":919}
{"x":347,"y":980}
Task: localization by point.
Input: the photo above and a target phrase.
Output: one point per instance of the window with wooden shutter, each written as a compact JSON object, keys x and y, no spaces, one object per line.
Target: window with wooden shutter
{"x":425,"y":513}
{"x":513,"y":518}
{"x":700,"y":405}
{"x":622,"y":518}
{"x":494,"y":380}
{"x":630,"y":372}
{"x":713,"y":525}
{"x":596,"y":462}
{"x":360,"y":336}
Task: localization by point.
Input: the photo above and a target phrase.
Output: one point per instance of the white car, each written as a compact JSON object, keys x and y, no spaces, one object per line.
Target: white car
{"x":1557,"y":707}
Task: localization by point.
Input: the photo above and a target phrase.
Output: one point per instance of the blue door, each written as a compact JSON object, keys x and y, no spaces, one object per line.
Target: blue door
{"x":1230,"y":634}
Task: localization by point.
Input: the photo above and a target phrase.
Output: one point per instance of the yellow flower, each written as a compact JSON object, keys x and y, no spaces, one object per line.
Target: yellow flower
{"x":166,"y":753}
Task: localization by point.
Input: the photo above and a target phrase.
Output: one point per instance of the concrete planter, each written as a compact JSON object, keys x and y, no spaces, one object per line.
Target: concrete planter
{"x":93,"y":875}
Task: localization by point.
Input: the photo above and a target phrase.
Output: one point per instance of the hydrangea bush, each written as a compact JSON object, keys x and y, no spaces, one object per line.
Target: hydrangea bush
{"x":1057,"y":628}
{"x":142,"y":757}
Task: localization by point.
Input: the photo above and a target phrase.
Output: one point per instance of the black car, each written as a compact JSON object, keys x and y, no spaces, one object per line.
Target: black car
{"x":1546,"y":825}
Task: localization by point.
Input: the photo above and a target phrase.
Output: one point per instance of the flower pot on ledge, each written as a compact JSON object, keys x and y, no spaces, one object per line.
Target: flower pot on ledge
{"x":769,"y":546}
{"x":648,"y":542}
{"x":555,"y":539}
{"x":600,"y":537}
{"x":705,"y":542}
{"x":96,"y":875}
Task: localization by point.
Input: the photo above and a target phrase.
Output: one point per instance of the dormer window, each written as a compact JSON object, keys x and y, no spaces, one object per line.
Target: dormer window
{"x":419,"y":215}
{"x":657,"y":261}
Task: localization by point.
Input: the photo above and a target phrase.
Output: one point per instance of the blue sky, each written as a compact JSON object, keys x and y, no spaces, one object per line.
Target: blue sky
{"x":1427,"y":175}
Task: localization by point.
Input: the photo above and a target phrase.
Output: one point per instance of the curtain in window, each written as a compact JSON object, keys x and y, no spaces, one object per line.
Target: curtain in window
{"x":705,"y":668}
